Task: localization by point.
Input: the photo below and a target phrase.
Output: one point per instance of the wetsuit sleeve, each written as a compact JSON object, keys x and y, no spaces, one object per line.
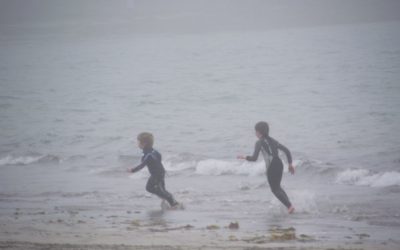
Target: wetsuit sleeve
{"x":257,"y":149}
{"x":144,"y":163}
{"x":286,"y":151}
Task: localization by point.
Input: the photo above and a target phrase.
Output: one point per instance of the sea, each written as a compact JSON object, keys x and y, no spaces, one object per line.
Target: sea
{"x":72,"y":104}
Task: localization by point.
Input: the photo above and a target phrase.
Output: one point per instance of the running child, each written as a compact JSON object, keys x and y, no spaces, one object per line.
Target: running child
{"x":152,"y":159}
{"x":269,"y":148}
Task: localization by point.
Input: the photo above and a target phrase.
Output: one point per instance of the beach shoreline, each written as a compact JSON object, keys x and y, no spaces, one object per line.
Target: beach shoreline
{"x":26,"y":245}
{"x":188,"y":237}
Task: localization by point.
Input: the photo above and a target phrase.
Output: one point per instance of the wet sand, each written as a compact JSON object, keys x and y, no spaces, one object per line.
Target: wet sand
{"x":135,"y":220}
{"x":192,"y":242}
{"x":76,"y":231}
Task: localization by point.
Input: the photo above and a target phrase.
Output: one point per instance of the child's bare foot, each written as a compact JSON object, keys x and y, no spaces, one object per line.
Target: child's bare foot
{"x":290,"y":209}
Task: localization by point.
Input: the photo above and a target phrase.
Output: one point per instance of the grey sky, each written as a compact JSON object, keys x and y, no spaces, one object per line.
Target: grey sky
{"x":191,"y":15}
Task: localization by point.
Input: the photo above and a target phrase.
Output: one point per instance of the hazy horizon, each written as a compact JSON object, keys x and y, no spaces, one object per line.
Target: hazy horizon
{"x":189,"y":15}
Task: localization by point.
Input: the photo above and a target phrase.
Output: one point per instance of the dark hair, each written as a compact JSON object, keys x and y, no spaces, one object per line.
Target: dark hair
{"x":262,"y":128}
{"x":146,"y":139}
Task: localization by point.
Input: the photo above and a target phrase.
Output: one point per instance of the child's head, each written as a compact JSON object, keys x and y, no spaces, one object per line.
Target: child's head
{"x":145,"y":140}
{"x":262,"y":129}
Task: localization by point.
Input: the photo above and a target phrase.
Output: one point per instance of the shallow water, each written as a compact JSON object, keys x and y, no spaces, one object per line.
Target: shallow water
{"x":71,"y":106}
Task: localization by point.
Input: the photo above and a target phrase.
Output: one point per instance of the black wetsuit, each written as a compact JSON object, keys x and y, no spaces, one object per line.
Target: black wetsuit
{"x":156,"y":184}
{"x":269,"y":148}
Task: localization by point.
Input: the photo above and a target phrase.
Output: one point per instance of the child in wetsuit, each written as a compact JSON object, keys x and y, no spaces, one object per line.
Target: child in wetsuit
{"x":269,"y":148}
{"x":152,"y":159}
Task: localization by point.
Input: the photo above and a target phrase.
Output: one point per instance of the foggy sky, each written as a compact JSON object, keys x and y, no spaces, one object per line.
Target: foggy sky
{"x":194,"y":15}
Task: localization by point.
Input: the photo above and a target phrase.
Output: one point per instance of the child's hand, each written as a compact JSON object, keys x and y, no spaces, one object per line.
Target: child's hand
{"x":291,"y":169}
{"x":241,"y":157}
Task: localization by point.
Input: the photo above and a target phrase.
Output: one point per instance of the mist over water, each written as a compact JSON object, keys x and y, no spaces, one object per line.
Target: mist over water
{"x":321,"y":89}
{"x":77,"y":88}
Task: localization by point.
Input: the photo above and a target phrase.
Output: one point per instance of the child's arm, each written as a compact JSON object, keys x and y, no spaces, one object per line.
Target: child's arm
{"x":137,"y":168}
{"x":141,"y":165}
{"x":288,"y":156}
{"x":256,"y":152}
{"x":287,"y":152}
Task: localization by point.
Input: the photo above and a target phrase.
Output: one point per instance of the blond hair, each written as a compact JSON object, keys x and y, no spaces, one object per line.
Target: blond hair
{"x":146,"y":139}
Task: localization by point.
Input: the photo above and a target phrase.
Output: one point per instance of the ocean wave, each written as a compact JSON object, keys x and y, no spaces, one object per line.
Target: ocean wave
{"x":235,"y":167}
{"x":221,"y":167}
{"x":217,"y":167}
{"x":28,"y":159}
{"x":200,"y":165}
{"x":315,"y":167}
{"x":209,"y":167}
{"x":179,"y":166}
{"x":364,"y":177}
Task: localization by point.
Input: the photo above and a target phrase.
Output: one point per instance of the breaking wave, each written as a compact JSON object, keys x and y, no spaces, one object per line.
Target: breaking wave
{"x":28,"y":159}
{"x":221,"y":167}
{"x":364,"y":177}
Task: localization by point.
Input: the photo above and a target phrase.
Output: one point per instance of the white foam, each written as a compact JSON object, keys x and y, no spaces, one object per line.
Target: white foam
{"x":9,"y":160}
{"x":302,"y":200}
{"x":220,"y":167}
{"x":26,"y":160}
{"x":351,"y":176}
{"x":382,"y":180}
{"x":180,"y":166}
{"x":363,"y":177}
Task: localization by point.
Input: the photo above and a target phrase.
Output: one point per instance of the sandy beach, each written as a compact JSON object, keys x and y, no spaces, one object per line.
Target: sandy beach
{"x":192,"y":238}
{"x":184,"y":239}
{"x":90,"y":225}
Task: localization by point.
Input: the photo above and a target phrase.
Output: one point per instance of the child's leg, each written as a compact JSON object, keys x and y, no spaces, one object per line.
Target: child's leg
{"x":156,"y":185}
{"x":151,"y":185}
{"x":274,"y":175}
{"x":168,"y":196}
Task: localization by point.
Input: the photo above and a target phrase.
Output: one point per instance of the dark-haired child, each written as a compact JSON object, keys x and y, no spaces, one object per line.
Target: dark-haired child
{"x":269,"y":148}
